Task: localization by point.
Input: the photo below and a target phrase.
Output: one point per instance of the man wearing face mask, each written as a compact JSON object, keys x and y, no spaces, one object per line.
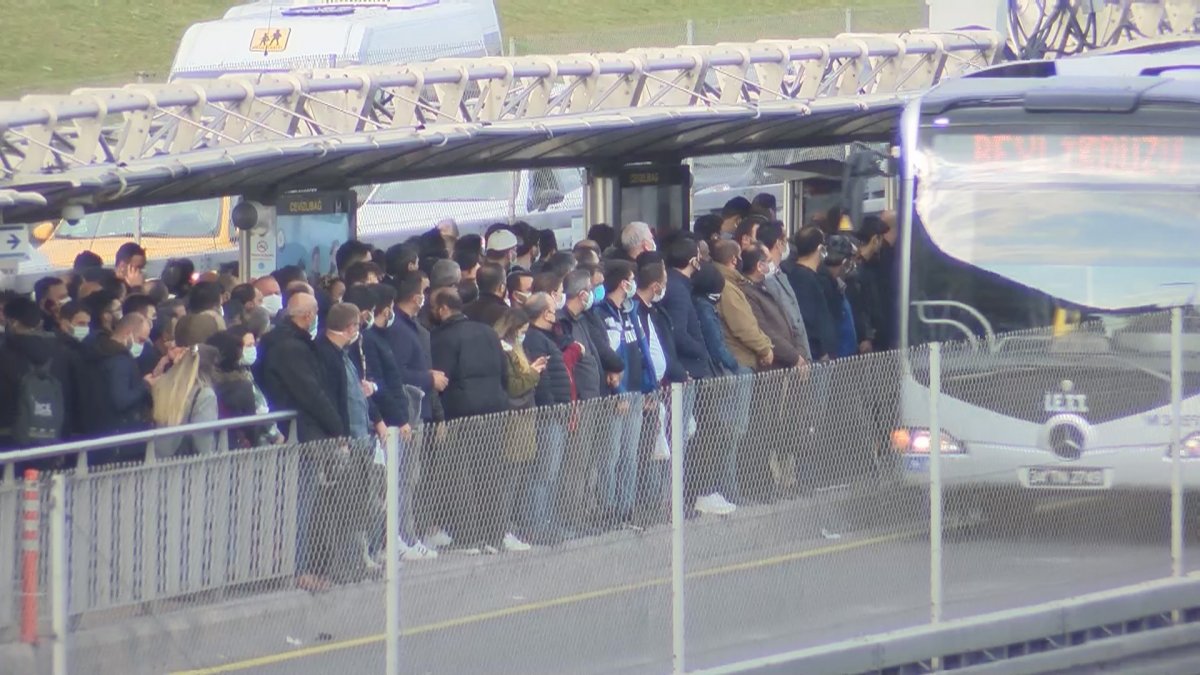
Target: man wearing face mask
{"x":118,"y":397}
{"x":379,"y":314}
{"x":272,"y":296}
{"x":683,"y":260}
{"x":808,"y":251}
{"x":770,"y":235}
{"x":289,"y":372}
{"x":743,"y":336}
{"x":756,"y":267}
{"x":491,"y":303}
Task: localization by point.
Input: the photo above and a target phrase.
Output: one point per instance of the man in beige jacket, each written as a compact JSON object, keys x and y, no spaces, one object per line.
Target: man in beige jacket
{"x":746,"y":341}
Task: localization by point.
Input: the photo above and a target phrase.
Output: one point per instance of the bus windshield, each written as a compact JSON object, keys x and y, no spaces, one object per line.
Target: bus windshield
{"x":188,"y":219}
{"x":1103,"y":222}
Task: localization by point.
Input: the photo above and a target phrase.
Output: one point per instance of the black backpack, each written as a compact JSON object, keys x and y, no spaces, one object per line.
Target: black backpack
{"x":40,"y":408}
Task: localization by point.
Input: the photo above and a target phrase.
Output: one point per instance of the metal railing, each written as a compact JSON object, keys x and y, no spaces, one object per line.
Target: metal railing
{"x":843,"y":529}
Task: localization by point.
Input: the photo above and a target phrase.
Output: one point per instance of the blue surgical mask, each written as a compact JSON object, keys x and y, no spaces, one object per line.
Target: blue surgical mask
{"x":312,"y":329}
{"x":598,"y":294}
{"x":80,"y":332}
{"x":249,"y":355}
{"x":589,"y":301}
{"x":136,"y":349}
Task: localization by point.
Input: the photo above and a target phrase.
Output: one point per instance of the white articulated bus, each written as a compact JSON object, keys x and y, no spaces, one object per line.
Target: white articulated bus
{"x":1050,"y":226}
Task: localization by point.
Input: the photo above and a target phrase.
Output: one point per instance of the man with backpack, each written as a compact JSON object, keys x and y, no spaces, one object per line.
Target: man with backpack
{"x":33,"y":380}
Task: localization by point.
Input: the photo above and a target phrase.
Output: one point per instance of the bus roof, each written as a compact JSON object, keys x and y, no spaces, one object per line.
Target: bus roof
{"x":1163,"y":72}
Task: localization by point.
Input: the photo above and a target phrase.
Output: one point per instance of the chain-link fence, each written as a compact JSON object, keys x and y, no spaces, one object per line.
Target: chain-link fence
{"x":894,"y":17}
{"x":816,"y":505}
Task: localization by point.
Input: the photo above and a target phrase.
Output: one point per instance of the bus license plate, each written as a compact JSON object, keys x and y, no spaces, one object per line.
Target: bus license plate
{"x":1078,"y":478}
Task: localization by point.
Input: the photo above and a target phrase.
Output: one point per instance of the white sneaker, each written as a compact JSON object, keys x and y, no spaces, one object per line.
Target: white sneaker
{"x":724,"y":502}
{"x":417,"y":552}
{"x":514,"y":545}
{"x":711,"y":505}
{"x":439,"y":539}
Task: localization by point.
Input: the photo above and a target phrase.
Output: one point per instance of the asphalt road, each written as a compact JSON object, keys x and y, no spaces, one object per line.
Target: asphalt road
{"x":762,"y":581}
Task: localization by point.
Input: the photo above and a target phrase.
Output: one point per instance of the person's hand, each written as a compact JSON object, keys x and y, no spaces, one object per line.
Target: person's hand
{"x":539,"y":364}
{"x":440,"y":381}
{"x":151,"y":379}
{"x":135,"y":278}
{"x":622,"y":407}
{"x":381,"y":430}
{"x":162,"y":366}
{"x":767,"y":359}
{"x":368,"y":388}
{"x":406,"y":433}
{"x":865,"y":347}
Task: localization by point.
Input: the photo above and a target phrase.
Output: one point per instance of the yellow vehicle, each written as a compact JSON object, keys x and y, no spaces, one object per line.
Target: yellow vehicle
{"x":197,"y":230}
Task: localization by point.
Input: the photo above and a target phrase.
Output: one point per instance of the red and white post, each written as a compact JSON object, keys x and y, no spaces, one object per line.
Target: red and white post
{"x":30,"y":518}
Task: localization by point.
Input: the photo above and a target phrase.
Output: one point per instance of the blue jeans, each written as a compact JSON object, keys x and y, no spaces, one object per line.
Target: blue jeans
{"x":544,"y":475}
{"x":618,"y":469}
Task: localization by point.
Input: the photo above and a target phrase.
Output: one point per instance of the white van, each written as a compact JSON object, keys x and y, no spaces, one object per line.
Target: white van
{"x":282,"y":35}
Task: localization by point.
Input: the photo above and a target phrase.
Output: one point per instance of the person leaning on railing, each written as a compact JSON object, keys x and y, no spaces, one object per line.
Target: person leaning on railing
{"x":237,"y":394}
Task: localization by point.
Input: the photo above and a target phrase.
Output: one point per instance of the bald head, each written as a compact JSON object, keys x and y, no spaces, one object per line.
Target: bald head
{"x":302,"y":310}
{"x":725,"y":252}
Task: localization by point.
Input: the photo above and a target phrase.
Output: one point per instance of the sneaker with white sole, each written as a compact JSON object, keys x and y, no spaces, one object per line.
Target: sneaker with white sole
{"x":488,"y":549}
{"x":720,"y":498}
{"x":417,"y":552}
{"x":710,"y":505}
{"x":439,"y":539}
{"x":514,"y":545}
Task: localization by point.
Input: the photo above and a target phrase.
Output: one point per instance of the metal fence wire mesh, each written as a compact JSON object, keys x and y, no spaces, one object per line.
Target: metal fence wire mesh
{"x":541,"y":540}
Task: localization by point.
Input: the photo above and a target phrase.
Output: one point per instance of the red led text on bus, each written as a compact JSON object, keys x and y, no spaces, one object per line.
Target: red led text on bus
{"x":1163,"y":154}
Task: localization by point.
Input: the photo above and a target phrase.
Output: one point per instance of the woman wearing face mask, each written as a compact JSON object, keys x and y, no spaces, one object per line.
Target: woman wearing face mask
{"x":237,"y":394}
{"x":520,"y":445}
{"x":185,"y":396}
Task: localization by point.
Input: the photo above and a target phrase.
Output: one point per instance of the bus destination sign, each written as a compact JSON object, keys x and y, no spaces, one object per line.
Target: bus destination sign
{"x":1160,"y":154}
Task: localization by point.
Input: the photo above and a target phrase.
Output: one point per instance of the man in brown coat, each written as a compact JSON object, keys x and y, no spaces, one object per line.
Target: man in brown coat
{"x":770,"y":316}
{"x":746,"y":341}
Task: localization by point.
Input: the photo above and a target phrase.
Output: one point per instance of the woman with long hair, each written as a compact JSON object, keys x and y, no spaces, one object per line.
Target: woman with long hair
{"x":237,"y":394}
{"x":520,"y":445}
{"x":184,"y":395}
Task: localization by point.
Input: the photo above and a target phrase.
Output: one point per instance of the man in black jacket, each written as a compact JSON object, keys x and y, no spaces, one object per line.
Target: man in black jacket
{"x":553,"y":390}
{"x":683,"y":259}
{"x":291,"y":381}
{"x":470,"y":355}
{"x":490,"y":305}
{"x":27,"y":348}
{"x":808,"y":249}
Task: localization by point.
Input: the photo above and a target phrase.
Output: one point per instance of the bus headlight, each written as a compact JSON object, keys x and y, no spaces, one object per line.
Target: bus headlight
{"x":917,"y":441}
{"x":1190,"y":448}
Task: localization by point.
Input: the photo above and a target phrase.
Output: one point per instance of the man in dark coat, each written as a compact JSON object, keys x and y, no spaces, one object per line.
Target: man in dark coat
{"x":27,"y":348}
{"x":683,"y":259}
{"x":291,"y":380}
{"x":490,"y":305}
{"x":290,"y":370}
{"x":410,"y":344}
{"x":808,"y":247}
{"x":554,"y":388}
{"x":469,"y":468}
{"x":118,"y":396}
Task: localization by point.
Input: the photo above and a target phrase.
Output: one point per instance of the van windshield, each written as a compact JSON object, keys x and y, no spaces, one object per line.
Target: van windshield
{"x":183,"y":220}
{"x":469,"y":188}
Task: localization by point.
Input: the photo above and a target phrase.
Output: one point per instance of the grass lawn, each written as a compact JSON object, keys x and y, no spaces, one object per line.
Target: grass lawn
{"x":54,"y":46}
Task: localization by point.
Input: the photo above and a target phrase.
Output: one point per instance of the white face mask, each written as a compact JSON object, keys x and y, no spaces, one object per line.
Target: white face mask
{"x":521,"y":339}
{"x":772,"y":269}
{"x":391,"y":319}
{"x":658,"y":297}
{"x":714,"y":297}
{"x":312,"y":329}
{"x":273,"y":303}
{"x":80,"y":332}
{"x":562,"y":302}
{"x":249,"y":355}
{"x":589,"y":299}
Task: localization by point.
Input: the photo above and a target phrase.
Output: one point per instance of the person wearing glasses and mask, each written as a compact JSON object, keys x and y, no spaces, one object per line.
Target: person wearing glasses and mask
{"x":802,"y":270}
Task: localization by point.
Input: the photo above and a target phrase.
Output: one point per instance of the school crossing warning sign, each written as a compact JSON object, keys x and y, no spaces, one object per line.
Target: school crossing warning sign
{"x":270,"y":39}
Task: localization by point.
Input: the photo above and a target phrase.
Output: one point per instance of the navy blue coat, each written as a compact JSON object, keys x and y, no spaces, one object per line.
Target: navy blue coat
{"x":554,"y":386}
{"x":814,"y":308}
{"x":117,"y":398}
{"x":383,"y":370}
{"x":689,"y":340}
{"x":410,"y":347}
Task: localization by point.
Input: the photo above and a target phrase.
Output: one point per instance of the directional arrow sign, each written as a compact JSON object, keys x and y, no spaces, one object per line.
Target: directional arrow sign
{"x":14,"y":246}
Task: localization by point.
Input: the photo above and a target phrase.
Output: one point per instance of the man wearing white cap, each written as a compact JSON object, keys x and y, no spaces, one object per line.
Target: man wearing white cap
{"x":502,"y":248}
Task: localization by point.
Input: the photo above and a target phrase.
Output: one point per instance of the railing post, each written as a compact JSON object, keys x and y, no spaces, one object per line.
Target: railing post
{"x":30,"y":522}
{"x":935,"y":484}
{"x":690,"y":32}
{"x":392,"y":550}
{"x":849,"y":20}
{"x":678,"y":618}
{"x":1177,"y":442}
{"x":58,"y":574}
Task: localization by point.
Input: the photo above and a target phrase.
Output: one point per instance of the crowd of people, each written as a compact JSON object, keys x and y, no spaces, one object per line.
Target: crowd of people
{"x":433,"y":337}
